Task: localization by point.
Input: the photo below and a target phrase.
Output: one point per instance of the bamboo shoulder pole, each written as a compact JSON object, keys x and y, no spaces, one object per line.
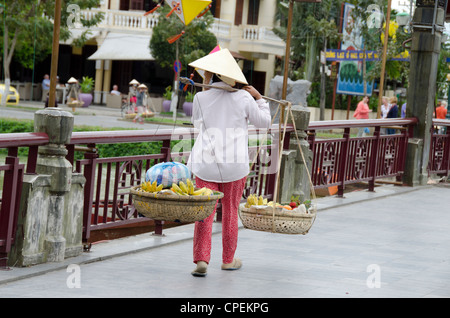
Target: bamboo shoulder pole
{"x":55,"y":54}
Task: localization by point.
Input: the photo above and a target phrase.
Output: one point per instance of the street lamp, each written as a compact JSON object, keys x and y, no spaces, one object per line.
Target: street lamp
{"x":288,"y":44}
{"x":402,"y":19}
{"x":288,"y":54}
{"x":55,"y":54}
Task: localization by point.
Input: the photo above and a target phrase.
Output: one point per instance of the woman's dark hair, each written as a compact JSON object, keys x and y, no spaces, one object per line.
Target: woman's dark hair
{"x":216,"y":78}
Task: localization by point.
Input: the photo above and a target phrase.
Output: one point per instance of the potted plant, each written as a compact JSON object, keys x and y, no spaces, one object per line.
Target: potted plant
{"x":167,"y":99}
{"x":86,"y":87}
{"x":187,"y":105}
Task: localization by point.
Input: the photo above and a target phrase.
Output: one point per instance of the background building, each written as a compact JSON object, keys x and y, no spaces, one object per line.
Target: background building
{"x":118,"y":48}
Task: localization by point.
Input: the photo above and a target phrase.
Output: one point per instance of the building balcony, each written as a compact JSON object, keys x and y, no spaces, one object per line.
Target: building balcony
{"x":244,"y":38}
{"x":123,"y":21}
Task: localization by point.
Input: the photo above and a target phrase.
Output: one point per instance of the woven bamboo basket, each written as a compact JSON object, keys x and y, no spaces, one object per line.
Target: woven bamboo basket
{"x":148,"y":115}
{"x":174,"y":207}
{"x":130,"y":116}
{"x":74,"y":104}
{"x":264,"y":218}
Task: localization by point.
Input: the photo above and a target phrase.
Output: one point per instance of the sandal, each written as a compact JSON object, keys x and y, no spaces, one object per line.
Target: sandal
{"x":236,"y":264}
{"x":200,"y":270}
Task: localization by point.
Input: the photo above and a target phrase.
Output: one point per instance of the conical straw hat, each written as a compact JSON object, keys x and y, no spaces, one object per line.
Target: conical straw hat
{"x":133,"y":82}
{"x":72,"y":80}
{"x":223,"y":64}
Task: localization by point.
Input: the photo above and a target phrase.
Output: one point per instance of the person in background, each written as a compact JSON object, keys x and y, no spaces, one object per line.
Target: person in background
{"x":403,"y":110}
{"x":362,"y":112}
{"x":115,"y":90}
{"x":384,"y":111}
{"x":441,"y":110}
{"x":141,"y":98}
{"x":384,"y":106}
{"x":45,"y":87}
{"x":441,"y":113}
{"x":393,"y":113}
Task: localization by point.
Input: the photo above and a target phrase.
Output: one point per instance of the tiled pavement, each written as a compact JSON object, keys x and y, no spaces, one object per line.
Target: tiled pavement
{"x":393,"y":243}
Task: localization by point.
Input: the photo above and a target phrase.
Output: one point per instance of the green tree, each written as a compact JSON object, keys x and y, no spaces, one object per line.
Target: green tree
{"x":196,"y":42}
{"x":307,"y":39}
{"x":27,"y":30}
{"x":328,"y":31}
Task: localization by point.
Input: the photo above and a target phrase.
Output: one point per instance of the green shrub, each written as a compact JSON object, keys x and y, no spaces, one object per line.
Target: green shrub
{"x":105,"y":150}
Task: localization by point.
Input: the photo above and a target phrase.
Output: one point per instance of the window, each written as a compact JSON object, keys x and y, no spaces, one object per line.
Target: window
{"x":215,"y":8}
{"x":253,"y":12}
{"x":238,"y":12}
{"x":137,"y":4}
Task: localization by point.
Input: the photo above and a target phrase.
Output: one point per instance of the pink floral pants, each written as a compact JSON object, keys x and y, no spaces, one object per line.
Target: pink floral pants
{"x":203,"y":229}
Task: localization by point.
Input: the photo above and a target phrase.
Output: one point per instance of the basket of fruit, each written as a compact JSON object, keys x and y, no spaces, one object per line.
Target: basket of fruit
{"x":260,"y":215}
{"x":182,"y":202}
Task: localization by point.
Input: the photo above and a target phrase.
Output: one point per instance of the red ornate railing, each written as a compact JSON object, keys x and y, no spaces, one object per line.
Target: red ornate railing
{"x":108,"y":180}
{"x":346,"y":160}
{"x":439,"y":162}
{"x":335,"y":161}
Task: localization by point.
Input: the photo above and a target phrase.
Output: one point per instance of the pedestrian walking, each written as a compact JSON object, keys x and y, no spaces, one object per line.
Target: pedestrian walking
{"x":441,"y":113}
{"x":141,"y":99}
{"x":362,"y":112}
{"x":384,"y":111}
{"x":219,"y":158}
{"x":45,"y":87}
{"x":393,"y":113}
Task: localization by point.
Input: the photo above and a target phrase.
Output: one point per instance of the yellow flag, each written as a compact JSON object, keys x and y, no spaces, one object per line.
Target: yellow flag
{"x":187,"y":10}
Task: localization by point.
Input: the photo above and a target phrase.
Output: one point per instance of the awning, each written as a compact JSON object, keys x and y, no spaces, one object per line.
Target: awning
{"x":118,"y":46}
{"x":238,"y":56}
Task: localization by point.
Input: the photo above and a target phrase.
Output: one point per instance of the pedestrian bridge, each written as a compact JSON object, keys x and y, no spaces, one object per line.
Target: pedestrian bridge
{"x":392,"y":243}
{"x":336,"y":161}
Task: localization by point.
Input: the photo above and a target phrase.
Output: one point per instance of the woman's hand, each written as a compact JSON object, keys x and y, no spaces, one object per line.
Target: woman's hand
{"x":253,"y":91}
{"x":207,"y":79}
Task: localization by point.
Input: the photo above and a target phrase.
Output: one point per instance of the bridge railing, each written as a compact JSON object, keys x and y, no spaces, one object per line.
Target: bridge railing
{"x":107,"y":199}
{"x":342,"y":160}
{"x":336,"y":161}
{"x":439,"y":161}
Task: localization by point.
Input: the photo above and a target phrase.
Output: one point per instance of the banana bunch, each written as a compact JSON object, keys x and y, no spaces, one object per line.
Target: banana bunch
{"x":188,"y":189}
{"x":253,"y":199}
{"x":271,"y":203}
{"x":151,"y":186}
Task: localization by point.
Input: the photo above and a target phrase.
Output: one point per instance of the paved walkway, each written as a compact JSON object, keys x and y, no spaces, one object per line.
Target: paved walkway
{"x":392,"y":243}
{"x":94,"y":115}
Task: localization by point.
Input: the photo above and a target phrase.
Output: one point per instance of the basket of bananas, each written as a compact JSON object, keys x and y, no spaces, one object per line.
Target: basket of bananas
{"x":260,"y":215}
{"x":182,"y":202}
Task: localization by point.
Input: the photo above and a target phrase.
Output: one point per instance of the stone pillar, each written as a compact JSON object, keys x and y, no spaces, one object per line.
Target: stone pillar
{"x":50,"y":216}
{"x":425,"y":48}
{"x":294,"y":179}
{"x":98,"y":90}
{"x":297,"y":93}
{"x":107,"y":67}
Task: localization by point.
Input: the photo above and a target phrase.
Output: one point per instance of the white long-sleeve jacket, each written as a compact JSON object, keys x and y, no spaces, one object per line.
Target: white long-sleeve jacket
{"x":220,"y":152}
